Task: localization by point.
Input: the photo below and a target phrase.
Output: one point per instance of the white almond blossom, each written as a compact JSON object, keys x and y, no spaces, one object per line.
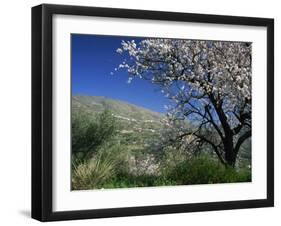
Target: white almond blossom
{"x":208,"y":82}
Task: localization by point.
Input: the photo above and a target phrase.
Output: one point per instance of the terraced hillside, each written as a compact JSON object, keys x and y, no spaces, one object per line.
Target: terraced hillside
{"x":136,"y":124}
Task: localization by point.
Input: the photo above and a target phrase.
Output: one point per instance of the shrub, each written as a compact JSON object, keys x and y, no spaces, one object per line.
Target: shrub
{"x":90,"y":131}
{"x":204,"y":170}
{"x":109,"y":160}
{"x":91,"y":173}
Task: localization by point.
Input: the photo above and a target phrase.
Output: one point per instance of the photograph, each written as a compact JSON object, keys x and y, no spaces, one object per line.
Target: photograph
{"x":145,"y":112}
{"x":149,"y":112}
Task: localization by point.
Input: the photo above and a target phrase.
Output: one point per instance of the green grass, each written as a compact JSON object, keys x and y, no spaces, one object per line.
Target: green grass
{"x":90,"y":174}
{"x":205,"y":170}
{"x":199,"y":170}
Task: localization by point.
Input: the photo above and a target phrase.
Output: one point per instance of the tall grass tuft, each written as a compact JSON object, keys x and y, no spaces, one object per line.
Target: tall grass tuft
{"x":95,"y":172}
{"x":91,"y":173}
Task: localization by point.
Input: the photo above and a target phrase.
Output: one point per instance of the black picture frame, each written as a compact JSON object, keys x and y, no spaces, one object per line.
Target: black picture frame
{"x":42,"y":111}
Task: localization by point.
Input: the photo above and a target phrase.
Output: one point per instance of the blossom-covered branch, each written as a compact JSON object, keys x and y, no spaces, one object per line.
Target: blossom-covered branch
{"x":208,"y":83}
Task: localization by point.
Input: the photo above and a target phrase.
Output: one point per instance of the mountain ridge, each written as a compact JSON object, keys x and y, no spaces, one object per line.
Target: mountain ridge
{"x":119,"y":107}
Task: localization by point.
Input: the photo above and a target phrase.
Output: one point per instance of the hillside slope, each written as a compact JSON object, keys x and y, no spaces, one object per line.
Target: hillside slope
{"x":137,"y":125}
{"x":100,"y":103}
{"x":134,"y":121}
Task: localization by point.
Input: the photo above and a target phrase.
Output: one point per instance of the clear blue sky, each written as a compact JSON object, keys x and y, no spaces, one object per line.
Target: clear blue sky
{"x":93,"y":58}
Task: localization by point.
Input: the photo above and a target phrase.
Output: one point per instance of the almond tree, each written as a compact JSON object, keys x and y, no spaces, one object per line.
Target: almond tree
{"x":208,"y":83}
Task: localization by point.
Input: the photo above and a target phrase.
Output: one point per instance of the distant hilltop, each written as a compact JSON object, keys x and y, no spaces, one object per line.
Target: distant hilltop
{"x":121,"y":108}
{"x":133,"y":118}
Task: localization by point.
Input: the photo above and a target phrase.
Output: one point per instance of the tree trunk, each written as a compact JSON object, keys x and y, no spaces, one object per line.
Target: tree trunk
{"x":230,"y":156}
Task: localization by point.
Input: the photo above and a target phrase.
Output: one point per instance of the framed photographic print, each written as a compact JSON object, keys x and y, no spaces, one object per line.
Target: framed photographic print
{"x":145,"y":112}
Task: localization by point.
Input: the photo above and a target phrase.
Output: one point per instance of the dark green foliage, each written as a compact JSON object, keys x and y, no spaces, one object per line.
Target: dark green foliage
{"x":125,"y":180}
{"x":205,"y":170}
{"x":90,"y":131}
